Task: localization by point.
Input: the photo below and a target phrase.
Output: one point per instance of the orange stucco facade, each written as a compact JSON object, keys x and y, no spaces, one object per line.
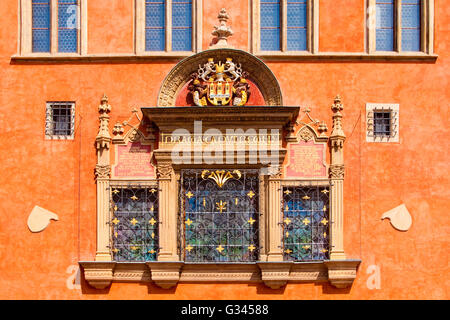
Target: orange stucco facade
{"x":59,"y":175}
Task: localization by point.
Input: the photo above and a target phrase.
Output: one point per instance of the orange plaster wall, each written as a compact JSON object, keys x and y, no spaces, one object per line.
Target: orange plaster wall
{"x":59,"y":176}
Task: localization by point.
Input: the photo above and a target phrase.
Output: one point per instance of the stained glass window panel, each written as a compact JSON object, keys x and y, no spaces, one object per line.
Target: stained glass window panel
{"x":41,"y":25}
{"x":270,"y":25}
{"x":220,"y":215}
{"x":134,"y":223}
{"x":67,"y":25}
{"x":297,"y":25}
{"x":385,"y":25}
{"x":411,"y":25}
{"x":181,"y":25}
{"x":155,"y":21}
{"x":306,"y":223}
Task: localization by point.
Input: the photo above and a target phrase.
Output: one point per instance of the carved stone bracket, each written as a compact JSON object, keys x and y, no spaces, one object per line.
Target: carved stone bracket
{"x":165,"y":274}
{"x":342,"y":273}
{"x":337,"y":171}
{"x":164,"y":171}
{"x":103,"y":171}
{"x":98,"y":274}
{"x":275,"y":274}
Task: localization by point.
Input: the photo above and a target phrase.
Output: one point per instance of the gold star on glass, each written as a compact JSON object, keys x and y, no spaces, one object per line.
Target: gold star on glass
{"x":189,"y":248}
{"x":115,"y":191}
{"x":288,"y":251}
{"x":325,"y":191}
{"x":251,"y":221}
{"x":153,"y":191}
{"x":251,"y":248}
{"x":115,"y":250}
{"x":221,"y":206}
{"x":116,"y":234}
{"x":324,"y":208}
{"x":324,"y":250}
{"x":134,"y":198}
{"x":288,"y":192}
{"x":153,"y":235}
{"x":115,"y":208}
{"x":220,"y":248}
{"x":287,"y":234}
{"x":306,"y":221}
{"x":134,"y":222}
{"x":116,"y":221}
{"x":189,"y":222}
{"x":324,"y":221}
{"x":251,"y":194}
{"x":152,"y":251}
{"x":287,"y":221}
{"x":324,"y":234}
{"x":287,"y":208}
{"x":189,"y":195}
{"x":134,"y":248}
{"x":306,"y":198}
{"x":152,"y":221}
{"x":306,"y":247}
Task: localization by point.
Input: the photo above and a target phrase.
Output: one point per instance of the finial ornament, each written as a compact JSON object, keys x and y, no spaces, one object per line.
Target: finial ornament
{"x":222,"y":32}
{"x":104,"y":107}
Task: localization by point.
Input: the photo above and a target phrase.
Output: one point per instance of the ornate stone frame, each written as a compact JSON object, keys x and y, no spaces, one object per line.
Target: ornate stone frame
{"x":271,"y":269}
{"x":25,"y":38}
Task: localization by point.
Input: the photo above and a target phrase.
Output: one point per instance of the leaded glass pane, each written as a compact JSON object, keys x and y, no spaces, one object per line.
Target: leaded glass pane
{"x":134,"y":223}
{"x":306,"y":223}
{"x":155,"y":22}
{"x":411,"y":25}
{"x":385,"y":25}
{"x":296,"y":25}
{"x":67,"y":25}
{"x":181,"y":25}
{"x":270,"y":25}
{"x":41,"y":25}
{"x":219,"y":218}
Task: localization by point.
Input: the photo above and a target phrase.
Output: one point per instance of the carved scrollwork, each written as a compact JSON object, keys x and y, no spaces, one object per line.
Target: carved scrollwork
{"x":164,"y":171}
{"x":337,"y":171}
{"x":103,"y":171}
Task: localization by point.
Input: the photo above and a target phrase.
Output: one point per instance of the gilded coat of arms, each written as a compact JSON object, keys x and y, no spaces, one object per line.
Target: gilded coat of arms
{"x":219,"y":84}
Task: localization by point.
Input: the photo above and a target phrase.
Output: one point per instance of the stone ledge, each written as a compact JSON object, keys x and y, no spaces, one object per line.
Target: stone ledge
{"x":340,"y":273}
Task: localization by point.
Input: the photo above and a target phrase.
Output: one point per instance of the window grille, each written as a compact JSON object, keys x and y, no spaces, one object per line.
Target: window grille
{"x":385,"y":10}
{"x":219,"y":215}
{"x":41,"y":25}
{"x":411,"y":26}
{"x":382,"y":122}
{"x":67,"y":25}
{"x":60,"y":119}
{"x":134,"y":223}
{"x":306,"y":223}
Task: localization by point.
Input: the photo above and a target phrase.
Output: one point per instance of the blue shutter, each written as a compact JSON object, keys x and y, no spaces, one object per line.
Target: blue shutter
{"x":67,"y":25}
{"x":296,"y":25}
{"x":181,"y":25}
{"x":155,"y":25}
{"x":385,"y":25}
{"x":270,"y":25}
{"x":41,"y":25}
{"x":411,"y":25}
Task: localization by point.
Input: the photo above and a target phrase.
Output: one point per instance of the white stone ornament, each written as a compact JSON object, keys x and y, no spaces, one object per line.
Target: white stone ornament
{"x":39,"y":219}
{"x":400,"y":218}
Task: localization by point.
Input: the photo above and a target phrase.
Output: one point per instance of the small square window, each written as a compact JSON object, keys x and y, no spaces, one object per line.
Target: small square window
{"x":60,"y":118}
{"x":382,"y":122}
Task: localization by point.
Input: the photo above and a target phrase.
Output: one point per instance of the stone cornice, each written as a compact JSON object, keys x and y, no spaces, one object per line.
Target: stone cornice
{"x":340,"y":274}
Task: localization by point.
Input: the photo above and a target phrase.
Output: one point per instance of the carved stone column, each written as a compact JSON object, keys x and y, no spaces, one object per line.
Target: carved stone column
{"x":103,"y":173}
{"x":168,"y":212}
{"x":274,"y":217}
{"x":337,"y":168}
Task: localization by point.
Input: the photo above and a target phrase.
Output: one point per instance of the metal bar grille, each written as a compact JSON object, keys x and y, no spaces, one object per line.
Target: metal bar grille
{"x":306,"y":223}
{"x":220,"y":213}
{"x":134,"y":223}
{"x":60,"y":119}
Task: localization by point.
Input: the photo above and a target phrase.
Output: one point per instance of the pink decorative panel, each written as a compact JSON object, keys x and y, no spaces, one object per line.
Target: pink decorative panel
{"x":133,"y":161}
{"x":306,"y":160}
